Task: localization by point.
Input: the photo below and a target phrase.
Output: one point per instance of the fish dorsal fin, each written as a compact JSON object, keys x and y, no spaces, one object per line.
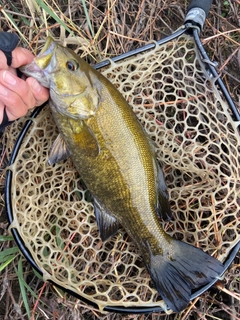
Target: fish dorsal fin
{"x":107,"y":224}
{"x":59,"y":151}
{"x":163,"y":207}
{"x":84,"y":138}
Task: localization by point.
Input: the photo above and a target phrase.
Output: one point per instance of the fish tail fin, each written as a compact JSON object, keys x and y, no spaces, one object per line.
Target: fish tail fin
{"x":176,"y":274}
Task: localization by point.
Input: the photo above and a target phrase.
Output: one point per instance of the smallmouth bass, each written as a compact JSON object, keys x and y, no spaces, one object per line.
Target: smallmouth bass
{"x":117,"y":162}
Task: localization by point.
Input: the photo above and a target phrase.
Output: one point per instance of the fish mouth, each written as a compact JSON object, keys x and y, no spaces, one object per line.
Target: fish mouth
{"x":48,"y":47}
{"x":41,"y":65}
{"x":44,"y":57}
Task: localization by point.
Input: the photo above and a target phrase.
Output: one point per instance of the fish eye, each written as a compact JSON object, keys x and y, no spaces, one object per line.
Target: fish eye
{"x":72,"y":65}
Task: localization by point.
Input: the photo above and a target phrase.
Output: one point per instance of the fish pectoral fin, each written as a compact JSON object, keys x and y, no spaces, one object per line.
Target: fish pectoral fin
{"x":84,"y":138}
{"x":107,"y":224}
{"x":163,"y":207}
{"x":59,"y":151}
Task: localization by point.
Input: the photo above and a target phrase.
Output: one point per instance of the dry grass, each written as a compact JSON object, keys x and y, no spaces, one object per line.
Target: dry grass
{"x":106,"y":29}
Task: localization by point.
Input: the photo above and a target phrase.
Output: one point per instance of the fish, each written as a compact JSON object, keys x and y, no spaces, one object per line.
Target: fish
{"x":116,"y":160}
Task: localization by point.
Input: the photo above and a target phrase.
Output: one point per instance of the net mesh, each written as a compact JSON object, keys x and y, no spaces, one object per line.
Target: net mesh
{"x":197,"y":144}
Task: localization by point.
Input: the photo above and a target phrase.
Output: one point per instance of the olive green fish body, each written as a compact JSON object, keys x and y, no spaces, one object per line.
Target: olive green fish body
{"x":116,"y":160}
{"x":122,"y":177}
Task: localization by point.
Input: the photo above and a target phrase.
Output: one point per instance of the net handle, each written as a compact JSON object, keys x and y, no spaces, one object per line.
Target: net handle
{"x":197,"y":12}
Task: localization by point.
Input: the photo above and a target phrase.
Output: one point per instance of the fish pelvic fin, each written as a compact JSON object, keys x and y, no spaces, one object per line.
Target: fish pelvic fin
{"x":176,"y":275}
{"x":59,"y":151}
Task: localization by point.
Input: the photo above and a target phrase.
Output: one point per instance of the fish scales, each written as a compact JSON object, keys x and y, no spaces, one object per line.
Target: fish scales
{"x":117,"y":162}
{"x":137,"y":187}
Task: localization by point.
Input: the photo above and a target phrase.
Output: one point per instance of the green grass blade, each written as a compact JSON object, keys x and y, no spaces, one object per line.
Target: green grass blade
{"x":22,"y":284}
{"x":52,"y":14}
{"x":37,"y":274}
{"x":6,"y":238}
{"x":87,"y":17}
{"x":10,"y":18}
{"x":4,"y":255}
{"x":25,"y":21}
{"x":7,"y":262}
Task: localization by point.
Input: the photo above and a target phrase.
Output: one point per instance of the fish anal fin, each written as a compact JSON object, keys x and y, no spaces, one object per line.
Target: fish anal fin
{"x":176,"y":274}
{"x":163,"y":206}
{"x":59,"y":151}
{"x":107,"y":224}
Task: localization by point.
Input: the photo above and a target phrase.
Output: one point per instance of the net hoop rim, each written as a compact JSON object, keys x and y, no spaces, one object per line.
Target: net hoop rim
{"x":26,"y":253}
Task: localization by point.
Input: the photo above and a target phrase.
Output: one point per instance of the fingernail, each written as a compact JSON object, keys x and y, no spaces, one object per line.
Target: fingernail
{"x":36,"y":86}
{"x":9,"y":78}
{"x":3,"y":91}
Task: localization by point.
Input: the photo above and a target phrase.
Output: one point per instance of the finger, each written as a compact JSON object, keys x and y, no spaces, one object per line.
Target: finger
{"x":19,"y":95}
{"x":20,"y":57}
{"x":17,"y":86}
{"x":2,"y":106}
{"x":15,"y":106}
{"x":30,"y":91}
{"x":3,"y":61}
{"x":17,"y":112}
{"x":40,"y":93}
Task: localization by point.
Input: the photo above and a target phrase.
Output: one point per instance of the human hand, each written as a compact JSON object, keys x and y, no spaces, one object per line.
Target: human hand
{"x":18,"y":95}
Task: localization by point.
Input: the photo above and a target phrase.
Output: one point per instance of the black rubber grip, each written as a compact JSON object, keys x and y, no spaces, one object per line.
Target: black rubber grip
{"x":8,"y":42}
{"x":202,"y":4}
